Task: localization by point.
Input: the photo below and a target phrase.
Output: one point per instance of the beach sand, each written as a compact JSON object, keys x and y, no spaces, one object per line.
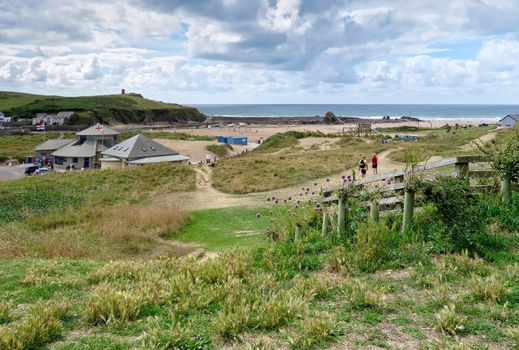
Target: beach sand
{"x":197,"y":152}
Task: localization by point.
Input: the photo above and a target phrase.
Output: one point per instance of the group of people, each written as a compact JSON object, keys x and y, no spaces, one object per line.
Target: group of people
{"x":363,"y":165}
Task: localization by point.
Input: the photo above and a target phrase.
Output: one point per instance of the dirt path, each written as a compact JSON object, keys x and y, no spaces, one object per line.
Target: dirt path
{"x":207,"y":197}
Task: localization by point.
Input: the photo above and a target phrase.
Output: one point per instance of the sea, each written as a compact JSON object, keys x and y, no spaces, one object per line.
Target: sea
{"x":421,"y":111}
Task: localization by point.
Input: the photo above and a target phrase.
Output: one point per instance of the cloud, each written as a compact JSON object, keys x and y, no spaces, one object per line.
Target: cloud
{"x":290,"y":49}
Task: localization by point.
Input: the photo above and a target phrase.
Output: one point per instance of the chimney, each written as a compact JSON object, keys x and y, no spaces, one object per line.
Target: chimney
{"x":123,"y":92}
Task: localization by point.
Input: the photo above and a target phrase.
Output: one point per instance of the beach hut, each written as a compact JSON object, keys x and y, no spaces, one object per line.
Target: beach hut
{"x":230,"y":140}
{"x":509,"y":121}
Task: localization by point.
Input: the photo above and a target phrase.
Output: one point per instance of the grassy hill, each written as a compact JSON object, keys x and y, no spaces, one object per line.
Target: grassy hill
{"x":106,"y":109}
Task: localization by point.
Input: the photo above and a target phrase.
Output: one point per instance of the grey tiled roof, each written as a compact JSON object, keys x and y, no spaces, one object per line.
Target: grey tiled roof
{"x":139,"y":146}
{"x":78,"y":150}
{"x":91,"y":131}
{"x":52,"y":145}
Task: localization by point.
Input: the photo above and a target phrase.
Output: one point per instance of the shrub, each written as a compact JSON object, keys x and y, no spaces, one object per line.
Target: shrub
{"x":489,"y":288}
{"x":448,"y":321}
{"x":458,"y":209}
{"x":317,"y":329}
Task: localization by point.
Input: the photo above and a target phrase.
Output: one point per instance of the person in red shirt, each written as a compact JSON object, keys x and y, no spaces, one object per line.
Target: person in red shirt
{"x":374,"y":163}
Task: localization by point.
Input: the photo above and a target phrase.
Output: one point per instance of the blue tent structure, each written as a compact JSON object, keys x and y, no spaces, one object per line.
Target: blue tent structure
{"x":230,"y":140}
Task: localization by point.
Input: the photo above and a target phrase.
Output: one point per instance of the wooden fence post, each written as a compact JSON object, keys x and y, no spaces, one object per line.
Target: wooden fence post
{"x":408,"y":211}
{"x":341,"y":218}
{"x":373,"y":211}
{"x":506,"y":189}
{"x":461,"y":170}
{"x":297,"y":233}
{"x":326,"y":220}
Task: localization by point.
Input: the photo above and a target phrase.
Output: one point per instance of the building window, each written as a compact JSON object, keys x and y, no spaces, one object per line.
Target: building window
{"x":59,"y":160}
{"x":75,"y":160}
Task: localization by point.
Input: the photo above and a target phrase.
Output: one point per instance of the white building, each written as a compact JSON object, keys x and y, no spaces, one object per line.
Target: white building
{"x":52,"y":119}
{"x":509,"y":120}
{"x":4,"y":119}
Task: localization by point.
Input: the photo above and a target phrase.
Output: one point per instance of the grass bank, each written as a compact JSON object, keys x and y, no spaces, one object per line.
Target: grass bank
{"x":375,"y":289}
{"x":96,"y":214}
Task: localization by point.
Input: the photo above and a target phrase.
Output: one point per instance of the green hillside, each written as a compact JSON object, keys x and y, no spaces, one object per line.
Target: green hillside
{"x":106,"y":109}
{"x":10,"y":100}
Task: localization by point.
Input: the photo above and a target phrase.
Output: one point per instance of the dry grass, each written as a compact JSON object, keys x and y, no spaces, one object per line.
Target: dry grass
{"x":94,"y":232}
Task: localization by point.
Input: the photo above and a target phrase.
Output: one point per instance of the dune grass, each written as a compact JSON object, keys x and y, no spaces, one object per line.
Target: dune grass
{"x":166,"y":135}
{"x":260,"y":171}
{"x":222,"y":229}
{"x":39,"y":195}
{"x":220,"y":150}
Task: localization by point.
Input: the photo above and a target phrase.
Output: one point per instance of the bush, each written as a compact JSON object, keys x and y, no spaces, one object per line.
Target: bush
{"x":458,"y":209}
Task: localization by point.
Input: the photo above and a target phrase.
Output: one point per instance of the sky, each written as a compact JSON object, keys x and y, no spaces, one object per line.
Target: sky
{"x":265,"y":51}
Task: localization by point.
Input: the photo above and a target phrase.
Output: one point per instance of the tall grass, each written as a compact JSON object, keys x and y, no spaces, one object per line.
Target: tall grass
{"x":95,"y":232}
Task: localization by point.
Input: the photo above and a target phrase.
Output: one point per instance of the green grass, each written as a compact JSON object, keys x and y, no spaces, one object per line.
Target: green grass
{"x":220,"y":229}
{"x":279,"y":296}
{"x":10,"y":100}
{"x":108,"y":108}
{"x":439,"y":143}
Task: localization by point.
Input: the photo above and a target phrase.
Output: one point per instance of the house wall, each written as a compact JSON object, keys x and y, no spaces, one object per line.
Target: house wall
{"x":78,"y":163}
{"x":111,"y":165}
{"x":508,"y":122}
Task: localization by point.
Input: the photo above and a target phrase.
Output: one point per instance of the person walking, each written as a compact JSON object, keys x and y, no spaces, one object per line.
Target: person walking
{"x":363,"y":167}
{"x":374,"y":163}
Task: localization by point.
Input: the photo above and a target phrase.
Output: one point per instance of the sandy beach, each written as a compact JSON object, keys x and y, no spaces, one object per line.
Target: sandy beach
{"x":254,"y":132}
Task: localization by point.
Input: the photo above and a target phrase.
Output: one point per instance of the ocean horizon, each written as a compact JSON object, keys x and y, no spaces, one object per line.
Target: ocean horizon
{"x":421,"y":111}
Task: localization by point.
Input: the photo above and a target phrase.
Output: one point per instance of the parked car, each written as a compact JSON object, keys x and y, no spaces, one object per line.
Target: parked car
{"x":41,"y":171}
{"x":31,"y":170}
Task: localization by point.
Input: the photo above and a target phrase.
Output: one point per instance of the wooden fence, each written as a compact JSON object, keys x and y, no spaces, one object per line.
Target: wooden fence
{"x":398,"y":197}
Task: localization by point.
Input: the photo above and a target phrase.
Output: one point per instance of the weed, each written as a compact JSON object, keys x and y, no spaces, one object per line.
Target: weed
{"x":448,"y":321}
{"x":513,"y":334}
{"x":439,"y":294}
{"x":317,"y":329}
{"x":6,"y":307}
{"x":315,"y":286}
{"x":447,"y":344}
{"x":465,"y":264}
{"x":175,"y":336}
{"x":42,"y":325}
{"x":361,"y":295}
{"x":337,"y":259}
{"x":109,"y":304}
{"x":489,"y":288}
